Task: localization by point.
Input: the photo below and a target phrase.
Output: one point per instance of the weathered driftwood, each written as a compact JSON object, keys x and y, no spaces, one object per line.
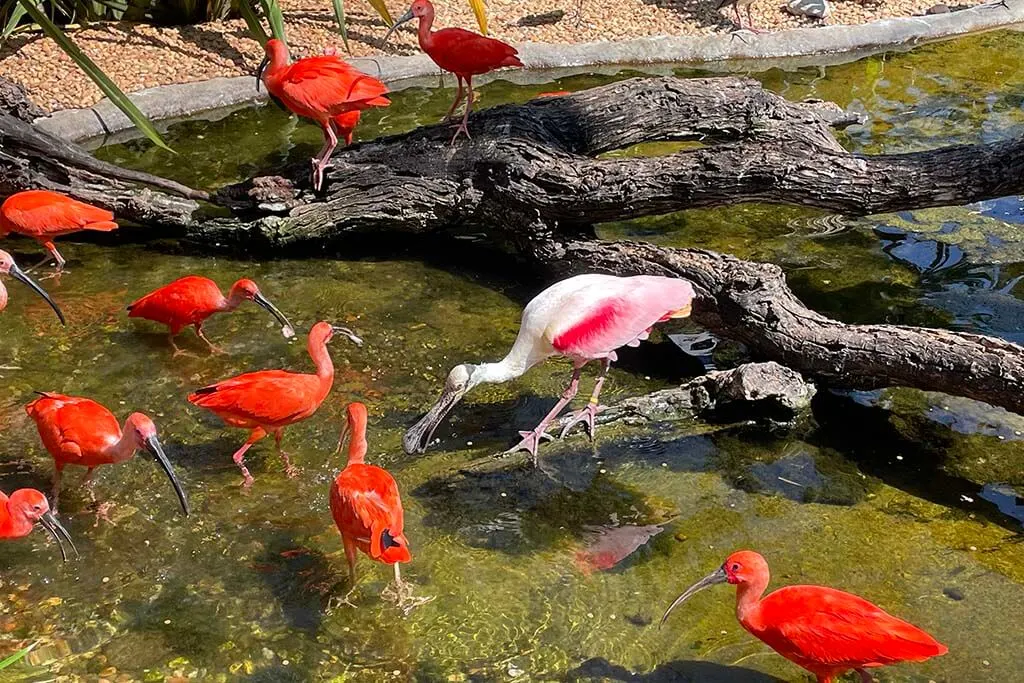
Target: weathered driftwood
{"x":532,"y":179}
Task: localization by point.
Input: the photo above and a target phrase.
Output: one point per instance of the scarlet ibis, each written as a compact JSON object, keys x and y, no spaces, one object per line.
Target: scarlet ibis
{"x":464,"y":53}
{"x":366,"y":506}
{"x":80,"y":431}
{"x":824,"y":630}
{"x":582,"y":318}
{"x":44,"y":216}
{"x":270,"y":400}
{"x":25,"y":508}
{"x":192,"y":299}
{"x":9,"y":267}
{"x":320,"y":88}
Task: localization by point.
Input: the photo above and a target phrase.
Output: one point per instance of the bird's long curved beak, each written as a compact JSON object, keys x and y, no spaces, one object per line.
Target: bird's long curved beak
{"x":345,"y":332}
{"x":418,"y":437}
{"x":408,"y":16}
{"x":154,"y":447}
{"x":717,"y":576}
{"x":259,"y":71}
{"x":59,"y":533}
{"x":341,"y":437}
{"x":286,"y":327}
{"x":20,"y":275}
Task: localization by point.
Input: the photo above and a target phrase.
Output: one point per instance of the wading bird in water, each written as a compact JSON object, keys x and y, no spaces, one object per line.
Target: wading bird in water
{"x":368,"y":510}
{"x":464,"y":53}
{"x":824,"y":630}
{"x":9,"y":267}
{"x":582,"y":318}
{"x":45,"y":216}
{"x":320,"y":88}
{"x":80,"y":431}
{"x":192,"y":299}
{"x":269,"y":400}
{"x":22,"y":510}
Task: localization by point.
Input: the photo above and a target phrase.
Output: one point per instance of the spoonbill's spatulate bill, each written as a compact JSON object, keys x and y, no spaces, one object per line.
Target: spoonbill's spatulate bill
{"x":22,"y":510}
{"x":45,"y":216}
{"x":80,"y":431}
{"x":824,"y":630}
{"x":192,"y":299}
{"x":583,"y":318}
{"x":269,"y":400}
{"x":9,"y":267}
{"x":463,"y":53}
{"x":323,"y":89}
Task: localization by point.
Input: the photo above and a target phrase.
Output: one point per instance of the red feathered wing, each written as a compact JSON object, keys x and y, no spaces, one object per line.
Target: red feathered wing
{"x":466,"y":53}
{"x":367,"y":508}
{"x":268,"y":398}
{"x":73,"y":428}
{"x":326,"y":85}
{"x":185,"y":301}
{"x":41,"y":213}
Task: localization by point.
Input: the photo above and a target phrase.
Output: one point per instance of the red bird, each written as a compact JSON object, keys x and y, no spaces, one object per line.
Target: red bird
{"x":464,"y":53}
{"x":79,"y":431}
{"x":824,"y":630}
{"x":192,"y":299}
{"x":270,"y":400}
{"x":44,"y":216}
{"x":9,"y":267}
{"x":319,"y":88}
{"x":366,"y":506}
{"x":25,"y":508}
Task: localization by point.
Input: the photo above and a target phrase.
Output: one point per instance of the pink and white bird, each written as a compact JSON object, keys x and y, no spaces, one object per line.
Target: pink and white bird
{"x":582,"y":318}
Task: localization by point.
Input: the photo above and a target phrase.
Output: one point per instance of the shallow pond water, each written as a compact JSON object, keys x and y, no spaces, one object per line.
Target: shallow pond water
{"x":908,"y":499}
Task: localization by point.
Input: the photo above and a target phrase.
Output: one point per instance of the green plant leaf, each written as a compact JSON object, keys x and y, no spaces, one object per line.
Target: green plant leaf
{"x":382,"y":10}
{"x":339,"y":14}
{"x":481,"y":14}
{"x":272,"y":10}
{"x":17,"y":656}
{"x":17,"y":12}
{"x":248,"y":12}
{"x":108,"y":87}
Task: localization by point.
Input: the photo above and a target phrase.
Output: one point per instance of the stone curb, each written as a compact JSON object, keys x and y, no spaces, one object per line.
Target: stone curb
{"x":827,"y":44}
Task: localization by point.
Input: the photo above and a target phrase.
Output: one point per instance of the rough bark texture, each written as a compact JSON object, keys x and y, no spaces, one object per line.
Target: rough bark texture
{"x":533,"y":178}
{"x":14,"y":101}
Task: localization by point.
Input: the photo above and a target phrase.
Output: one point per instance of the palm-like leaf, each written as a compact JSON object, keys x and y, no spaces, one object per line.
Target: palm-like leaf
{"x":382,"y":10}
{"x":16,"y":657}
{"x":339,"y":15}
{"x":480,"y":10}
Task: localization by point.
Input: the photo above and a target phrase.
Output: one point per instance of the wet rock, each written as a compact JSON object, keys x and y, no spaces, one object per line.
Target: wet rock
{"x":14,"y":101}
{"x":815,"y":9}
{"x":953,"y":593}
{"x":541,"y":19}
{"x":938,"y":9}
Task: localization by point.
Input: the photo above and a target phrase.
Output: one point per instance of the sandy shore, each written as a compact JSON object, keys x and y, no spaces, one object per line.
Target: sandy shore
{"x":140,"y":56}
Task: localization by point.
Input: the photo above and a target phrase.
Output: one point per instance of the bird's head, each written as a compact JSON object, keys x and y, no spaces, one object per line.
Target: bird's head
{"x":276,"y":55}
{"x":246,"y":290}
{"x":32,"y":506}
{"x":742,"y":567}
{"x":460,"y":380}
{"x":419,"y":9}
{"x":143,"y":432}
{"x":9,"y":267}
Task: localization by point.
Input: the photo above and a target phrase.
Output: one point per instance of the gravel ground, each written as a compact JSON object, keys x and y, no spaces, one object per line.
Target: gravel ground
{"x":140,"y":56}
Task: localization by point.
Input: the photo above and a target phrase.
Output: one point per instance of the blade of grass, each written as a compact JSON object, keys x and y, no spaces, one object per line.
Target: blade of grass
{"x":17,"y":656}
{"x":248,"y":12}
{"x":273,"y":12}
{"x":481,"y":14}
{"x":108,"y":87}
{"x":339,"y":14}
{"x":17,"y":12}
{"x":382,"y":10}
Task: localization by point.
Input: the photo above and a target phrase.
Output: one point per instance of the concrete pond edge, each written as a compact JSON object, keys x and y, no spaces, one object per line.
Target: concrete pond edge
{"x":794,"y":47}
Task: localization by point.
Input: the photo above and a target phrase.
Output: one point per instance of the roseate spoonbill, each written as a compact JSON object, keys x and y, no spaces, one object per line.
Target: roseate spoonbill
{"x":270,"y":400}
{"x":9,"y":267}
{"x":582,"y":318}
{"x":25,"y":508}
{"x":192,"y":299}
{"x":464,"y":53}
{"x":319,"y":88}
{"x":80,"y":431}
{"x":824,"y":630}
{"x":45,"y":216}
{"x":367,"y":508}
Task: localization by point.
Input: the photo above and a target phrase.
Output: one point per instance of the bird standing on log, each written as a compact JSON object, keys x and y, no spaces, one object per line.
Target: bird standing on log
{"x":464,"y":53}
{"x":80,"y":431}
{"x":22,"y":510}
{"x":583,"y":318}
{"x":320,"y":88}
{"x":824,"y":630}
{"x":192,"y":299}
{"x":45,"y":216}
{"x":270,"y":400}
{"x":9,"y":267}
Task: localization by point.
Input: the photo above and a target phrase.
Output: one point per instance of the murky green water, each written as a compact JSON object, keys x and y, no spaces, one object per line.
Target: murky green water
{"x":910,"y":500}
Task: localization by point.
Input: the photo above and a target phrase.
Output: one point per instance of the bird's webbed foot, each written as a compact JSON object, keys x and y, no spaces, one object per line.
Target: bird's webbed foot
{"x":585,"y":415}
{"x":531,"y":441}
{"x":401,"y":594}
{"x":102,"y":512}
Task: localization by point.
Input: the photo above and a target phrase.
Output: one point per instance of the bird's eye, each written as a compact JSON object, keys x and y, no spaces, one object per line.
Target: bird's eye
{"x":37,"y":508}
{"x":735,"y":567}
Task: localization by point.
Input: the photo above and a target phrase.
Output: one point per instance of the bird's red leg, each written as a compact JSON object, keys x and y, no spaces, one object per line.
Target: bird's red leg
{"x":254,"y":436}
{"x":350,"y":556}
{"x":865,"y":677}
{"x":289,"y":469}
{"x":320,"y":163}
{"x":102,"y":509}
{"x":455,"y":104}
{"x":402,"y":594}
{"x":213,"y":348}
{"x":464,"y":127}
{"x":750,"y":20}
{"x":178,"y":351}
{"x":52,"y":248}
{"x":586,"y":414}
{"x":531,"y":440}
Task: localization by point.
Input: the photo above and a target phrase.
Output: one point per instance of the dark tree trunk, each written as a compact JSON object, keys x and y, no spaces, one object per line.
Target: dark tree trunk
{"x":532,"y":178}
